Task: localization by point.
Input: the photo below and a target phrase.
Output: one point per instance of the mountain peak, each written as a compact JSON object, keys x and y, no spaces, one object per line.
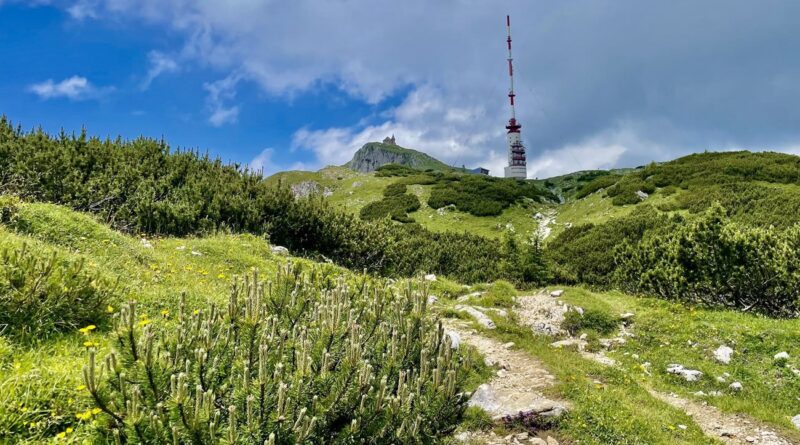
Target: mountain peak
{"x":376,"y":154}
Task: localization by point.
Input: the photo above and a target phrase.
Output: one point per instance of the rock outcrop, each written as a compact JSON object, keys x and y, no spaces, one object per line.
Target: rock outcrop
{"x":375,"y":154}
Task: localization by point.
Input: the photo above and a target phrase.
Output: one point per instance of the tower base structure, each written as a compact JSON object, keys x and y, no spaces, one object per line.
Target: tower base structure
{"x":516,"y":171}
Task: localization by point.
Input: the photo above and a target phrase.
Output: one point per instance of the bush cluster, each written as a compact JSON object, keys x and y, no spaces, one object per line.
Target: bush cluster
{"x":141,"y":186}
{"x":303,"y":358}
{"x":585,"y":253}
{"x":41,"y":295}
{"x":594,"y":320}
{"x":396,"y":203}
{"x":715,"y":262}
{"x":599,"y":182}
{"x":483,"y":195}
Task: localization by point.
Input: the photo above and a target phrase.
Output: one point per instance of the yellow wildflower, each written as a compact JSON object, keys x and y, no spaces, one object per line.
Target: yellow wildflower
{"x":109,"y":309}
{"x":222,"y":275}
{"x":87,"y":329}
{"x":144,"y":322}
{"x":81,"y":387}
{"x":69,"y":430}
{"x":96,"y":411}
{"x":89,"y":344}
{"x":164,"y":313}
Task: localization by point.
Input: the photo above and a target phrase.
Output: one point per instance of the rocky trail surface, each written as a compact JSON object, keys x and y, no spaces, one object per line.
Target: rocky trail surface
{"x":521,"y":380}
{"x":517,"y":387}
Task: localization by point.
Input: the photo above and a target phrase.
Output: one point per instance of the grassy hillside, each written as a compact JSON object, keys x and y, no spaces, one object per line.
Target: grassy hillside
{"x":44,"y":396}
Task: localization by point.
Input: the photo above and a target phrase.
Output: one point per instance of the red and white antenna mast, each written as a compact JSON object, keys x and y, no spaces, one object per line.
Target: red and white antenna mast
{"x":517,"y":164}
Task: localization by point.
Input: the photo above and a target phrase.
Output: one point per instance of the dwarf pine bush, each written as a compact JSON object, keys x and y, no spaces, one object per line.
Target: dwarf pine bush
{"x":303,"y":358}
{"x":43,"y":294}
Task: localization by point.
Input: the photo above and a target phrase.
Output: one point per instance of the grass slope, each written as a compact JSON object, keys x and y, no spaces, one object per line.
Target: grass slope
{"x":40,"y":384}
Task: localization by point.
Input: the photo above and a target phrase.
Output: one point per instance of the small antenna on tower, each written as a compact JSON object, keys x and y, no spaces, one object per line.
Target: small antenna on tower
{"x":517,"y":163}
{"x":511,"y":94}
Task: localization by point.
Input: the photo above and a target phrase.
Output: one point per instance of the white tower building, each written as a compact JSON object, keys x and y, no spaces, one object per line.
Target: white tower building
{"x":517,"y":164}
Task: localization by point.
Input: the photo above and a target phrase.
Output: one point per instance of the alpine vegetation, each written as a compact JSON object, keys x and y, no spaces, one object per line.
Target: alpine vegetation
{"x":303,"y":358}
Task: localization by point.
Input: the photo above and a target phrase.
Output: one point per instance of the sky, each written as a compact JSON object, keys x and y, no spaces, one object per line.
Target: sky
{"x":301,"y":84}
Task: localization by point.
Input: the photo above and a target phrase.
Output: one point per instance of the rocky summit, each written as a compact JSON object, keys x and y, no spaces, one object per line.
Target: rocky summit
{"x":376,"y":154}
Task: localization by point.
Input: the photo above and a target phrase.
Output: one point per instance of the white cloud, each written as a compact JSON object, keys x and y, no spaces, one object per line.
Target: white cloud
{"x":683,"y":73}
{"x":220,"y":93}
{"x":160,"y":63}
{"x":73,"y":88}
{"x":263,"y":163}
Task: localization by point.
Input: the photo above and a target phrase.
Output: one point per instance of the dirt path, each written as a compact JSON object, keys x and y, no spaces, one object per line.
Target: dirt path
{"x":544,"y":314}
{"x":517,"y":386}
{"x":729,"y":428}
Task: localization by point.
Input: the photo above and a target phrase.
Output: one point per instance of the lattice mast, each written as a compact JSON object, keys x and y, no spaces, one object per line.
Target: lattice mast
{"x":517,"y":164}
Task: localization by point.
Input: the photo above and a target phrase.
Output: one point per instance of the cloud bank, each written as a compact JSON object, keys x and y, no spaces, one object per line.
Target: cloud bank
{"x":599,"y":83}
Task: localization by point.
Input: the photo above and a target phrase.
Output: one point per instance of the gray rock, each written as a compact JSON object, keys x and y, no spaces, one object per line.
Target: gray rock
{"x":479,"y":316}
{"x":551,"y":441}
{"x":146,"y":244}
{"x":455,"y":339}
{"x":557,"y":293}
{"x":796,"y":421}
{"x":537,"y":441}
{"x":690,"y":375}
{"x":723,"y":354}
{"x":430,"y":277}
{"x":781,"y":356}
{"x":642,"y":195}
{"x":279,"y":250}
{"x":736,"y":386}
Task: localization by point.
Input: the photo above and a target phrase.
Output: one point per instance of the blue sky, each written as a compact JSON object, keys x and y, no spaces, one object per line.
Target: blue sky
{"x":303,"y":84}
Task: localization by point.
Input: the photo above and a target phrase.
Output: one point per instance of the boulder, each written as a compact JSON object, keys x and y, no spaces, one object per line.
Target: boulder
{"x":642,"y":195}
{"x":723,"y":354}
{"x":690,"y":375}
{"x":796,"y":421}
{"x":432,"y":299}
{"x":430,"y":277}
{"x":557,"y":293}
{"x":479,"y":316}
{"x":736,"y":386}
{"x":781,"y":356}
{"x":279,"y":250}
{"x":145,"y":243}
{"x":455,"y":339}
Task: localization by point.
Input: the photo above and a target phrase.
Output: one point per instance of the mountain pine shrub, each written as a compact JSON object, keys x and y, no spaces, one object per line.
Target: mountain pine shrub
{"x":142,"y":186}
{"x":715,"y":262}
{"x":43,"y":294}
{"x":303,"y":358}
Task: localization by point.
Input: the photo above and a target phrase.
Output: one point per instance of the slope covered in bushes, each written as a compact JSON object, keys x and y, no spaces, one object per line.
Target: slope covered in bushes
{"x":142,"y":186}
{"x":346,"y":323}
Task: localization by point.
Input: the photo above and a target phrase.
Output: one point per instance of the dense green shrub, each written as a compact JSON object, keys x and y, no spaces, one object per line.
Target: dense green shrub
{"x":594,"y":320}
{"x":482,"y":195}
{"x":523,"y":262}
{"x":501,"y":293}
{"x":396,"y":203}
{"x":41,"y":294}
{"x":585,"y":253}
{"x":715,"y":262}
{"x":8,"y":208}
{"x":390,"y":170}
{"x":601,"y":182}
{"x":301,"y":359}
{"x":141,"y":186}
{"x":753,"y":203}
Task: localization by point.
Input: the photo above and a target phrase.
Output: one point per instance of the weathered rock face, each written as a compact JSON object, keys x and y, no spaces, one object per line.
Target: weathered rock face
{"x":374,"y":154}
